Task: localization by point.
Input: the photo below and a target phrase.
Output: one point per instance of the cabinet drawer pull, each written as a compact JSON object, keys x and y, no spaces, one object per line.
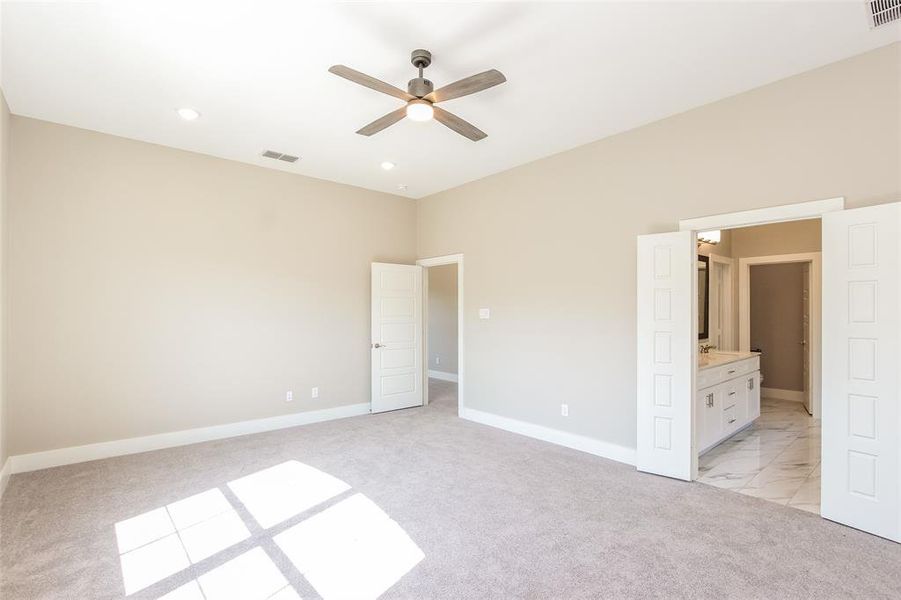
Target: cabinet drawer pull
{"x":732,"y":420}
{"x":731,"y":393}
{"x":731,"y":372}
{"x":751,"y":383}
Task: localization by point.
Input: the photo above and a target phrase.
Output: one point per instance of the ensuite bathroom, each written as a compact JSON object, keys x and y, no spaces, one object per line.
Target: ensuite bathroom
{"x":757,"y":421}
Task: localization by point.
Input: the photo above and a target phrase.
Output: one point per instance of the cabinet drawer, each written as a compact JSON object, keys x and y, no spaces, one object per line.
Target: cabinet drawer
{"x":713,"y":375}
{"x":731,"y":391}
{"x":730,"y":418}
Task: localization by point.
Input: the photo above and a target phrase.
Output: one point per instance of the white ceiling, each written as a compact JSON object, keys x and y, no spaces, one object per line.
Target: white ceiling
{"x":257,"y":72}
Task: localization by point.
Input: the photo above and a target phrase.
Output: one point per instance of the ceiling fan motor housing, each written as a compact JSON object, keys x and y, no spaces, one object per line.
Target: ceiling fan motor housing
{"x":419,"y":87}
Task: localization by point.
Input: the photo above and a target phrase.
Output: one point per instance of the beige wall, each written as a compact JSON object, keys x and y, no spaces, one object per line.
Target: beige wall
{"x":550,"y":246}
{"x":777,"y":238}
{"x":442,"y":333}
{"x":792,"y":237}
{"x":4,"y":161}
{"x":776,"y":323}
{"x":155,"y":290}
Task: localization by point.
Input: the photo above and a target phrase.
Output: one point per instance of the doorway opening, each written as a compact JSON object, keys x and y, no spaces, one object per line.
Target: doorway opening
{"x":860,"y":358}
{"x":443,"y":332}
{"x":756,"y":402}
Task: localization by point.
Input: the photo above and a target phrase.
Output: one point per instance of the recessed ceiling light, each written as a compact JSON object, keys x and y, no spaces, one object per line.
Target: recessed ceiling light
{"x":188,"y":114}
{"x":387,"y":165}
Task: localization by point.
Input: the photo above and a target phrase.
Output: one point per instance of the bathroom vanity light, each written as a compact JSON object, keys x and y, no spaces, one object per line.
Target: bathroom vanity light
{"x":709,"y":237}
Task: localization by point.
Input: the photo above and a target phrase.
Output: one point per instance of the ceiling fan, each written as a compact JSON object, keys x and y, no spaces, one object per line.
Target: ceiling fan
{"x":421,"y":97}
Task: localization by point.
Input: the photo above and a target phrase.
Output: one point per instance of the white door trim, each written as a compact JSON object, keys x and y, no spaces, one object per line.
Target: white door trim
{"x":727,"y":327}
{"x":816,"y":324}
{"x":760,"y":216}
{"x":437,"y":261}
{"x":764,"y":216}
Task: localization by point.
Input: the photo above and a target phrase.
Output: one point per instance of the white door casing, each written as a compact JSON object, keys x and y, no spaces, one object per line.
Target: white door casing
{"x":861,"y":466}
{"x":396,"y":345}
{"x":435,"y":261}
{"x":667,"y":353}
{"x":805,"y":336}
{"x":721,"y":302}
{"x":816,"y":320}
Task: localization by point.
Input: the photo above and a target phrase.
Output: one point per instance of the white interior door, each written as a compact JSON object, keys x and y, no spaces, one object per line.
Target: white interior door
{"x":861,"y":364}
{"x":667,"y":353}
{"x":396,"y":336}
{"x":805,"y":336}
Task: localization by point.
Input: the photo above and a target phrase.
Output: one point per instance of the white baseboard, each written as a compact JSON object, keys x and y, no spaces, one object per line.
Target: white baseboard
{"x":554,"y":436}
{"x":5,"y":472}
{"x":443,"y":376}
{"x":76,"y":454}
{"x":776,"y":393}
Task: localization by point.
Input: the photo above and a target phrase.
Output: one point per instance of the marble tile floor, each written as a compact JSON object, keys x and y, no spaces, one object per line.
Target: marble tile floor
{"x":777,"y":458}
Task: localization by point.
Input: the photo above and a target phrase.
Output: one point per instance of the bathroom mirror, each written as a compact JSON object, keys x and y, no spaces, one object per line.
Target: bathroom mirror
{"x":703,"y":296}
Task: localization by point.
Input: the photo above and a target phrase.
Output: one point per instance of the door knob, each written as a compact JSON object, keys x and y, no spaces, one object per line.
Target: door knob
{"x":379,"y":345}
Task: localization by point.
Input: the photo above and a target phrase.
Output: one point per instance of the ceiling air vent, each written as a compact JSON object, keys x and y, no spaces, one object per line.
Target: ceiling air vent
{"x":279,"y":156}
{"x":884,"y":11}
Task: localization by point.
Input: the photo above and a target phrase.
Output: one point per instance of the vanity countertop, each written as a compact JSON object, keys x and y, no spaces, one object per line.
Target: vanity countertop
{"x":716,"y":359}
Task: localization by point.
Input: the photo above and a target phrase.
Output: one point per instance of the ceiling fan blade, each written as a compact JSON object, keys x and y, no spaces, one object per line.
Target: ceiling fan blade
{"x":462,"y":127}
{"x":370,"y":82}
{"x":467,"y":86}
{"x":382,"y":122}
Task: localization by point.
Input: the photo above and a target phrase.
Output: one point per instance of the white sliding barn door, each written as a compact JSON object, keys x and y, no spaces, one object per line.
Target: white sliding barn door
{"x":396,"y":336}
{"x":667,"y":346}
{"x":861,"y":335}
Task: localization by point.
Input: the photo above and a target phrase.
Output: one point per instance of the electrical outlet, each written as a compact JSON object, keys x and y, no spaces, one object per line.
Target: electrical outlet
{"x":314,"y":393}
{"x":289,"y":396}
{"x":437,"y":360}
{"x":564,"y":410}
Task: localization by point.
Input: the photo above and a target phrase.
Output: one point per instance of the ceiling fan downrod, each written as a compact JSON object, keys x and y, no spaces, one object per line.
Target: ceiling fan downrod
{"x":420,"y":86}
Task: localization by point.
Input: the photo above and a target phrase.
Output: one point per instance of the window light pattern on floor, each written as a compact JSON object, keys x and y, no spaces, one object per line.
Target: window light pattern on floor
{"x":280,"y":492}
{"x":351,"y":536}
{"x":350,"y":550}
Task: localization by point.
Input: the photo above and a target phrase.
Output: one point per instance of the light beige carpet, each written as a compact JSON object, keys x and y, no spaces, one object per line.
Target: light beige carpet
{"x":412,"y":504}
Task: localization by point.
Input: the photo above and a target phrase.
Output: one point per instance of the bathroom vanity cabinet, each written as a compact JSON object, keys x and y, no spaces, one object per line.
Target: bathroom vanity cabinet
{"x":728,"y":397}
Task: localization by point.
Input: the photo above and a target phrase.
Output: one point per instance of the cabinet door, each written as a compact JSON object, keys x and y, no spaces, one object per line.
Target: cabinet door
{"x":752,"y":383}
{"x":712,"y":411}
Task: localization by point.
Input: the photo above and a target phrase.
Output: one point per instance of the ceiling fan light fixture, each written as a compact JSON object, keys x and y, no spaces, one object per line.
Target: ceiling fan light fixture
{"x":420,"y":110}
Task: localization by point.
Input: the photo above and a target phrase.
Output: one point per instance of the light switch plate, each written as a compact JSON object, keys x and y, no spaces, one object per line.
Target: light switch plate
{"x":484,"y":313}
{"x":314,"y":393}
